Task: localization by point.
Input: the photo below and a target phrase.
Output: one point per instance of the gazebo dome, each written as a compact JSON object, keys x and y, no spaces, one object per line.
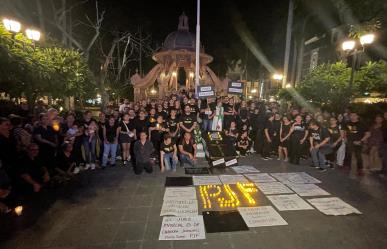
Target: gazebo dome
{"x":180,"y":39}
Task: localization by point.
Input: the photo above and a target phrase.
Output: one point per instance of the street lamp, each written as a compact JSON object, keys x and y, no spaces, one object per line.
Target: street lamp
{"x":254,"y":90}
{"x":278,"y":76}
{"x":12,"y":25}
{"x":351,"y":49}
{"x":33,"y":34}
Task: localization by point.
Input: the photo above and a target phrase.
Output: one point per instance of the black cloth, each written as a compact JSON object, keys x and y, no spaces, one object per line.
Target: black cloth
{"x":142,"y":152}
{"x":167,"y":148}
{"x":355,"y":131}
{"x":111,"y":132}
{"x":187,"y":147}
{"x":188,"y":120}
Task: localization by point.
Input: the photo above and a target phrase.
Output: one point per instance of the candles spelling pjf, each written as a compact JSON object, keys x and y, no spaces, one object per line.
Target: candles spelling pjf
{"x":247,"y":189}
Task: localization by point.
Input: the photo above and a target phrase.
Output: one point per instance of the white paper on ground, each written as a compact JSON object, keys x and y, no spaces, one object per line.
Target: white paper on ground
{"x":261,"y":216}
{"x":273,"y":188}
{"x":182,"y":228}
{"x":261,"y":177}
{"x":233,"y":179}
{"x":231,"y":162}
{"x":289,"y":202}
{"x":217,"y":162}
{"x":179,"y":207}
{"x":180,"y":192}
{"x":333,"y":206}
{"x":244,"y":169}
{"x":295,"y":177}
{"x":308,"y":189}
{"x":206,"y":180}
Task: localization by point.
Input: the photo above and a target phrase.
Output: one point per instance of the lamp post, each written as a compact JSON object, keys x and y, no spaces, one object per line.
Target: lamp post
{"x":351,"y":48}
{"x":197,"y":52}
{"x":15,"y":27}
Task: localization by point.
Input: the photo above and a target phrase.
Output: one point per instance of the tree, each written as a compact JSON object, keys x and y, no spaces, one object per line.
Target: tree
{"x":371,"y":78}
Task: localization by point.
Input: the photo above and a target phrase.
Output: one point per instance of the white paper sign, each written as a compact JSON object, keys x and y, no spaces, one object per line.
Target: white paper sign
{"x":206,"y":180}
{"x":333,"y":206}
{"x":261,"y":177}
{"x":295,"y":177}
{"x":244,"y":169}
{"x":180,"y":193}
{"x":182,"y":228}
{"x":289,"y":202}
{"x":231,"y":162}
{"x":233,"y":179}
{"x":179,"y":207}
{"x":308,"y":189}
{"x":217,"y":162}
{"x":261,"y":216}
{"x":273,"y":188}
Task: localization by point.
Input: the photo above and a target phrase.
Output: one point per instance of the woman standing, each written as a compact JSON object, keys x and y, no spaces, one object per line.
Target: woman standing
{"x":336,"y":135}
{"x":283,"y":148}
{"x":168,"y":154}
{"x":299,"y":133}
{"x":110,"y":142}
{"x":217,"y":123}
{"x":127,"y":134}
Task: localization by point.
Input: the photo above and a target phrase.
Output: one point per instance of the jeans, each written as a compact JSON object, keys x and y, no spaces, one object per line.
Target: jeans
{"x":384,"y":156}
{"x":207,"y":124}
{"x":109,"y":149}
{"x":186,"y":159}
{"x":169,"y":162}
{"x":318,"y":158}
{"x":89,"y":147}
{"x":340,"y":154}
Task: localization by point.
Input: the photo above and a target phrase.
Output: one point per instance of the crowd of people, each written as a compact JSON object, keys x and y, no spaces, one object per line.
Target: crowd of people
{"x":47,"y":148}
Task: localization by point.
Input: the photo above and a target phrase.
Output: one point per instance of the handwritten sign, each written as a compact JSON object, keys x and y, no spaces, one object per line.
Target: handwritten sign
{"x":182,"y":228}
{"x":273,"y":188}
{"x":217,"y":162}
{"x":261,"y":177}
{"x":261,"y":216}
{"x":243,"y":169}
{"x":180,"y":193}
{"x":295,"y":177}
{"x":231,"y":162}
{"x":307,"y":189}
{"x":289,"y":202}
{"x":233,"y":179}
{"x":206,"y":180}
{"x":333,"y":206}
{"x":179,"y":207}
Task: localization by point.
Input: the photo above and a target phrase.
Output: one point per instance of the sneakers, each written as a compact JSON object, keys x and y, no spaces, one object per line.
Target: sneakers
{"x":92,"y":166}
{"x":125,"y":162}
{"x":265,"y":158}
{"x":322,"y":169}
{"x":76,"y":170}
{"x":118,"y":158}
{"x":87,"y":166}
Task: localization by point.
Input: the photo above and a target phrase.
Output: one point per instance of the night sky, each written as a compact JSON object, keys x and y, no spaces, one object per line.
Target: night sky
{"x":265,"y":20}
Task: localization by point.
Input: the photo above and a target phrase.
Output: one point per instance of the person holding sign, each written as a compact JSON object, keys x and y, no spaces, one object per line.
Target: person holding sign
{"x":187,"y":150}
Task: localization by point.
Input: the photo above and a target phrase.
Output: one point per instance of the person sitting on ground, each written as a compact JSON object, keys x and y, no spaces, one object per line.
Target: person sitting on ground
{"x":31,"y":172}
{"x":65,"y":162}
{"x":319,"y":144}
{"x":232,"y":133}
{"x":168,"y":154}
{"x":243,"y":143}
{"x":143,"y":149}
{"x":187,"y":150}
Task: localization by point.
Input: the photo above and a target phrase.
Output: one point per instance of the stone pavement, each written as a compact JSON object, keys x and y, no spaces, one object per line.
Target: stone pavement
{"x":116,"y":209}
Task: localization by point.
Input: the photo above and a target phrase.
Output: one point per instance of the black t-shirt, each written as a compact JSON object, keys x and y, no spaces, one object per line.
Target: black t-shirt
{"x":34,"y":168}
{"x":100,"y":126}
{"x":167,"y":148}
{"x":334,"y":133}
{"x":127,"y":127}
{"x":243,"y":113}
{"x":187,"y":147}
{"x":244,"y":141}
{"x":355,"y":131}
{"x":64,"y":162}
{"x":151,"y":120}
{"x":194,"y":109}
{"x":163,"y":113}
{"x":141,"y":126}
{"x":111,"y":132}
{"x":227,"y":108}
{"x":172,"y":124}
{"x":269,"y":126}
{"x":319,"y":135}
{"x":46,"y":133}
{"x":156,"y":135}
{"x":188,"y":120}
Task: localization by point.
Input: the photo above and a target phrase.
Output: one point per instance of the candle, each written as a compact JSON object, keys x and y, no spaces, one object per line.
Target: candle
{"x":19,"y":210}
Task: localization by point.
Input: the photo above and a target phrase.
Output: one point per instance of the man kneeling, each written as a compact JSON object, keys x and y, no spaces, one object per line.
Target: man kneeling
{"x":143,"y":149}
{"x":187,"y":150}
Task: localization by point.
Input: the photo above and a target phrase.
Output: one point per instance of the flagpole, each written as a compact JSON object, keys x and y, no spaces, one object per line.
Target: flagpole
{"x":197,"y":59}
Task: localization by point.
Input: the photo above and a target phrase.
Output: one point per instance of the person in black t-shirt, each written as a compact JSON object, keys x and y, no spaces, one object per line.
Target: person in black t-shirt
{"x":336,"y":135}
{"x":140,"y":123}
{"x":187,"y":150}
{"x":156,"y":131}
{"x":207,"y":110}
{"x":243,"y":143}
{"x":31,"y":172}
{"x":187,"y":121}
{"x":269,"y":133}
{"x":110,"y":141}
{"x":283,"y":149}
{"x":127,"y":134}
{"x":319,"y":144}
{"x":356,"y":133}
{"x":65,"y":162}
{"x":232,"y":133}
{"x":168,"y":154}
{"x":298,"y":135}
{"x":173,"y":125}
{"x":143,"y":150}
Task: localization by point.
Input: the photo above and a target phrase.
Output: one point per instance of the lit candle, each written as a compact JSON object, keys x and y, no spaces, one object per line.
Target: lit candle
{"x":19,"y":210}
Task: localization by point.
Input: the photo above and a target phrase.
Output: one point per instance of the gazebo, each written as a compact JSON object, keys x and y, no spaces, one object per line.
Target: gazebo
{"x":175,"y":67}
